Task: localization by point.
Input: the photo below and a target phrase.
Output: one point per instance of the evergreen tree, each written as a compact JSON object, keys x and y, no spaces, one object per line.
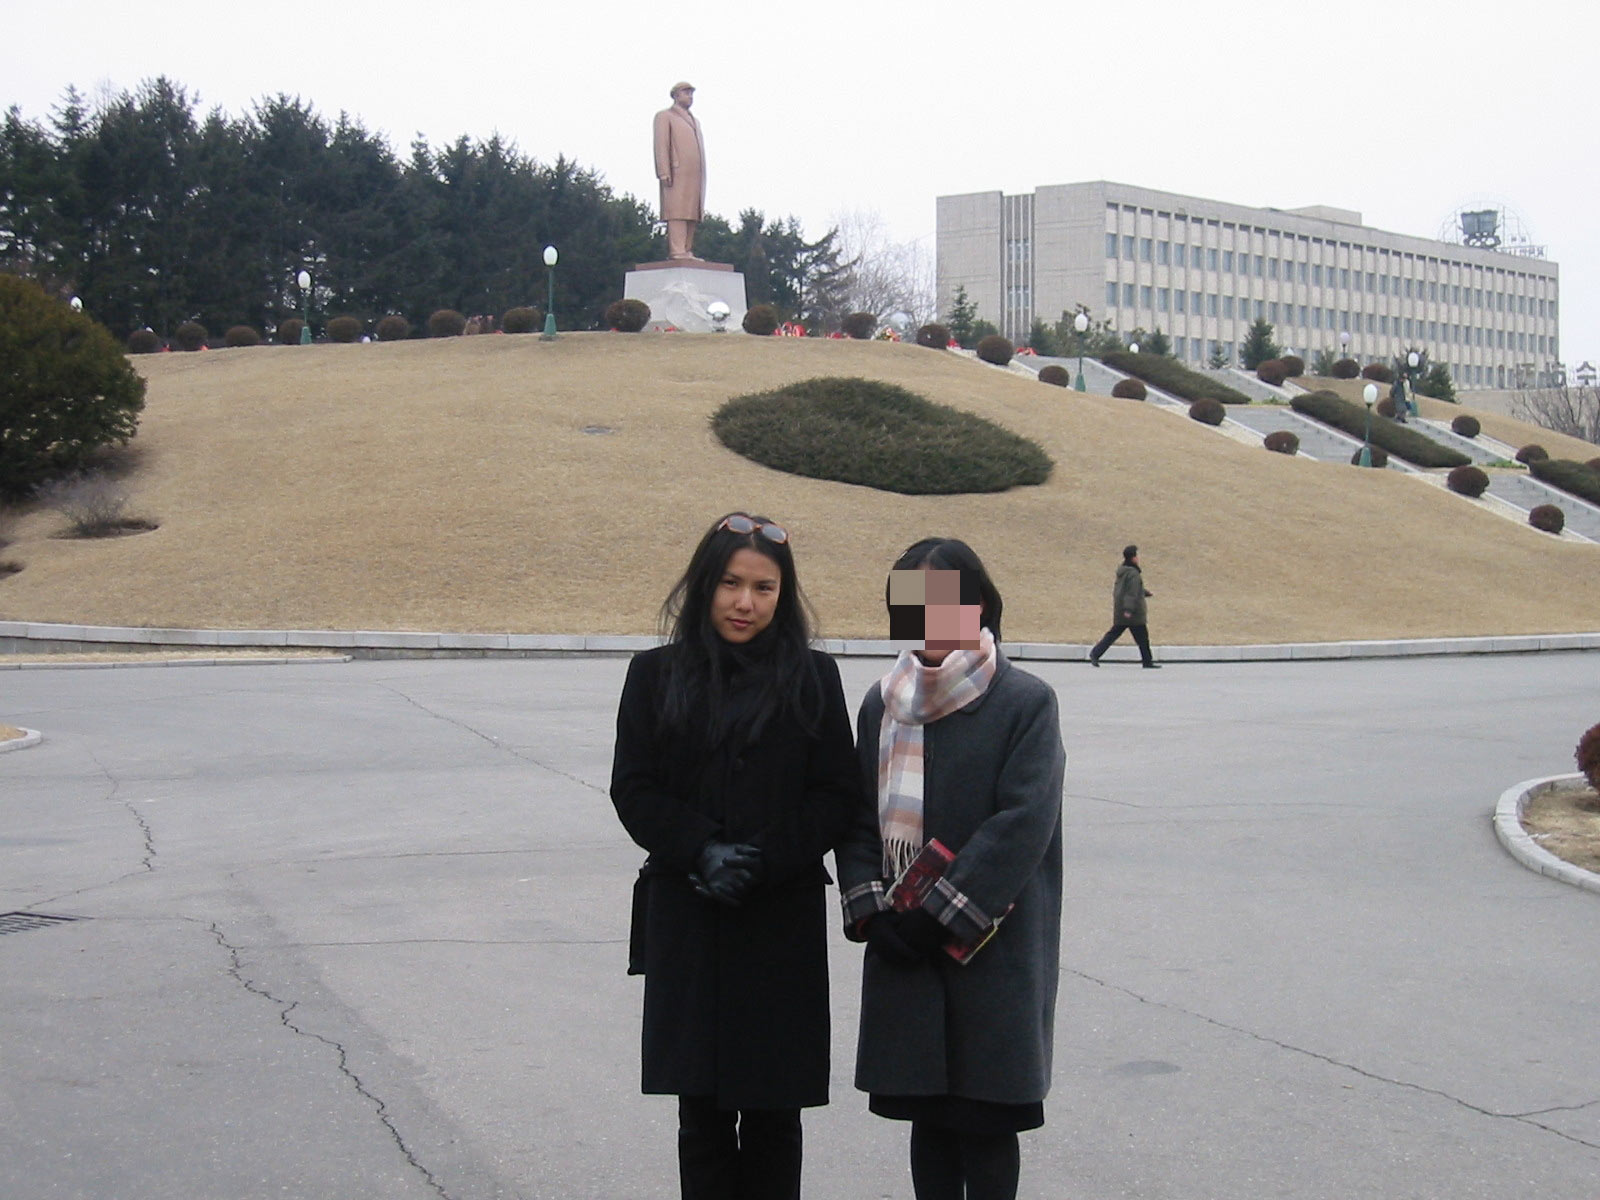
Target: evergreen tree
{"x":1437,"y":383}
{"x":1258,"y":345}
{"x":1042,"y":339}
{"x":963,"y":314}
{"x":1156,"y":343}
{"x":1322,"y":362}
{"x":1220,"y":357}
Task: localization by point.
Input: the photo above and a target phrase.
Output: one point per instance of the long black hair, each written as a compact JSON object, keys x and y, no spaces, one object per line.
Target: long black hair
{"x":775,"y":666}
{"x":952,"y":554}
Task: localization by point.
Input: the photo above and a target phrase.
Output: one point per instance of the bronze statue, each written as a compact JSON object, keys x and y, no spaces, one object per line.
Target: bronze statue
{"x":681,"y":168}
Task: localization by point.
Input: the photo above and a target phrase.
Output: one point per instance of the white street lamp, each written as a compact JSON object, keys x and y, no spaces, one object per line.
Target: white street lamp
{"x":1081,"y":324}
{"x":550,"y":257}
{"x":719,"y":314}
{"x":304,"y":280}
{"x":1370,"y":395}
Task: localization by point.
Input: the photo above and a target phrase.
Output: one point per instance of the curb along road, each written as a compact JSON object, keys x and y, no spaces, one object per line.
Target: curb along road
{"x":1522,"y":847}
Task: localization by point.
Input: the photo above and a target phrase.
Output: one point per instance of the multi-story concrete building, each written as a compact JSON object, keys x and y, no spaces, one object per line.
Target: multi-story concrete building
{"x":1202,"y":271}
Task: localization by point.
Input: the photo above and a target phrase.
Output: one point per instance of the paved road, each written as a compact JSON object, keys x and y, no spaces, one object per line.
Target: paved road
{"x":357,"y":931}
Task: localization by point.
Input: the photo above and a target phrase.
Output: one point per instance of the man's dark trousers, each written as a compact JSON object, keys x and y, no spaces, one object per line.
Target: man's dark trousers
{"x":1141,"y":635}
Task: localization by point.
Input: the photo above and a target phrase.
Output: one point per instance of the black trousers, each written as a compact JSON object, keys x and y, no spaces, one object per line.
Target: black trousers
{"x":728,"y":1154}
{"x":1141,"y":635}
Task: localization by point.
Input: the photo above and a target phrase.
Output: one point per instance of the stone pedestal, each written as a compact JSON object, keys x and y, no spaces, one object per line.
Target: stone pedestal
{"x":679,"y":292}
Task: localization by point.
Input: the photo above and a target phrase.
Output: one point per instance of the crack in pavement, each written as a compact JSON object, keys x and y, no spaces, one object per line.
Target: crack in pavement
{"x":285,"y":1009}
{"x":148,"y":862}
{"x":1524,"y":1118}
{"x":493,"y":741}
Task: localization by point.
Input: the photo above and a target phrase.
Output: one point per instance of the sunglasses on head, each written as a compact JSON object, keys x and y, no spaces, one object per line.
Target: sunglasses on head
{"x":739,"y":523}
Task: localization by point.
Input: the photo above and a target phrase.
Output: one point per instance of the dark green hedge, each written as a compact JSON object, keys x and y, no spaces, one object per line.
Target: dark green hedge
{"x":1577,"y":478}
{"x":1170,"y":375}
{"x":877,"y":435}
{"x":1397,"y":439}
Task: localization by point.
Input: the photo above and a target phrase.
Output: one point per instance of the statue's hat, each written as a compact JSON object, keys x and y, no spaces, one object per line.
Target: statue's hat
{"x":680,"y":86}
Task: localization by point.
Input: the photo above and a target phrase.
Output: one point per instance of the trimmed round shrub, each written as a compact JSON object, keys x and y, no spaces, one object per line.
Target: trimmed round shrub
{"x":66,"y":387}
{"x":191,"y":335}
{"x":143,"y":341}
{"x":394,"y":328}
{"x":761,"y":320}
{"x":241,"y":335}
{"x":628,"y":315}
{"x":859,"y":325}
{"x":1273,"y":371}
{"x":1293,"y":365}
{"x":1130,"y":389}
{"x":875,"y":434}
{"x":1547,"y":517}
{"x":1385,"y":408}
{"x":1208,"y":411}
{"x":1281,"y":441}
{"x":1469,"y":481}
{"x":1055,"y":374}
{"x":1378,"y":373}
{"x":345,"y":329}
{"x":1588,"y":756}
{"x":1466,"y":426}
{"x":1380,"y":457}
{"x":289,"y":331}
{"x":996,"y":349}
{"x":447,"y":322}
{"x":934,"y":336}
{"x":1532,"y":452}
{"x":522,"y":319}
{"x":1346,"y":368}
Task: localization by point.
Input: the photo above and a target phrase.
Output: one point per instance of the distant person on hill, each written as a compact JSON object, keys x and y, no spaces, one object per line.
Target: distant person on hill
{"x":1128,"y":610}
{"x":735,"y":769}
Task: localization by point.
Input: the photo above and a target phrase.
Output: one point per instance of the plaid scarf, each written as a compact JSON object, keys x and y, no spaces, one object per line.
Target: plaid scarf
{"x":913,"y":696}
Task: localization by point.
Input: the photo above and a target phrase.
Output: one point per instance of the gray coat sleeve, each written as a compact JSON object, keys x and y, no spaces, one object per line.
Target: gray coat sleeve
{"x":1006,"y":849}
{"x":859,"y":857}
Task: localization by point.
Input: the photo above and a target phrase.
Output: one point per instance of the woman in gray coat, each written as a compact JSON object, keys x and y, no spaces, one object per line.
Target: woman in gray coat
{"x":959,"y":748}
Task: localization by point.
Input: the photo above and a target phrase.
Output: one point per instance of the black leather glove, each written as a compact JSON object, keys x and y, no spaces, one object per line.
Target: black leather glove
{"x":883,"y":941}
{"x":920,"y":931}
{"x":728,"y":870}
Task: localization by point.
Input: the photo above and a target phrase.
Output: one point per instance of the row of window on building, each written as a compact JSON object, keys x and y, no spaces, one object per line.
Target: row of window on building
{"x":1157,"y":300}
{"x":1310,"y":274}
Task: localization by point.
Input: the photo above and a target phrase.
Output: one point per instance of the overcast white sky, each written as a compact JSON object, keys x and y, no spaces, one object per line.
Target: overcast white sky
{"x":1403,"y":112}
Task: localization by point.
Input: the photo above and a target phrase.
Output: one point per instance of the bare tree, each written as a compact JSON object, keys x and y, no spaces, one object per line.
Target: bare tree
{"x":1574,"y":411}
{"x":885,"y":276}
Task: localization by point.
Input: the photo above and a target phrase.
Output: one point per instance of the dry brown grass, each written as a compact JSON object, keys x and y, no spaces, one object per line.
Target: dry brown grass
{"x":1566,"y":822}
{"x":9,"y":733}
{"x":445,"y":484}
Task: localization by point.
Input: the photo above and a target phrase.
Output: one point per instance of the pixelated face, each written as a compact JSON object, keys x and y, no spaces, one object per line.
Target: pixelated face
{"x":684,"y":97}
{"x":746,"y":597}
{"x":937,"y":610}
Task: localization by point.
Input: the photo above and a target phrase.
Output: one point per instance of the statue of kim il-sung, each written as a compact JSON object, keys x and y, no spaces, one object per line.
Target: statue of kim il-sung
{"x":681,"y":168}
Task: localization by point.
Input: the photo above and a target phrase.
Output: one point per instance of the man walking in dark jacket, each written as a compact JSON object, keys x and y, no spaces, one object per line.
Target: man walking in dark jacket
{"x":1128,"y":610}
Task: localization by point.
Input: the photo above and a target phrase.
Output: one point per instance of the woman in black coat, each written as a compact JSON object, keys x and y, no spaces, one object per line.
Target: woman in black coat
{"x":959,"y":748}
{"x":735,"y":770}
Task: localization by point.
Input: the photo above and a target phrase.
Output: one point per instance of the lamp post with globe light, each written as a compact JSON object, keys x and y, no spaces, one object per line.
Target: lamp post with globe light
{"x":304,"y":280}
{"x":1080,"y":323}
{"x":1344,"y":343}
{"x":719,"y":314}
{"x":1370,"y":395}
{"x":550,"y":257}
{"x":1413,"y":362}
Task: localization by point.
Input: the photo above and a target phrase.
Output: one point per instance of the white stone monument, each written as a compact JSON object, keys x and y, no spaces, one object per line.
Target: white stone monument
{"x":680,"y":291}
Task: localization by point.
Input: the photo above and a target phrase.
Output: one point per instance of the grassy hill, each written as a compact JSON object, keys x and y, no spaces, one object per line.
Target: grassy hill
{"x":448,"y":485}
